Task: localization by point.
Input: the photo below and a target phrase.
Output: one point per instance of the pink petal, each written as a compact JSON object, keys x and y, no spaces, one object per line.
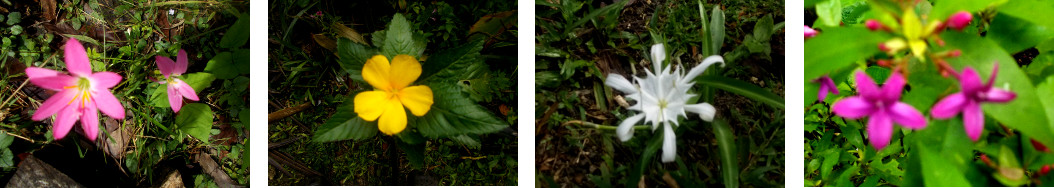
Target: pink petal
{"x":906,"y":116}
{"x":973,"y":120}
{"x":879,"y":130}
{"x":866,"y":86}
{"x":991,"y":79}
{"x":960,"y":20}
{"x":56,"y":83}
{"x":893,"y":87}
{"x":181,"y":63}
{"x":186,"y":90}
{"x":90,"y":121}
{"x":822,"y":93}
{"x":949,"y":106}
{"x":853,"y":107}
{"x":37,"y":72}
{"x":970,"y":81}
{"x":999,"y":95}
{"x":64,"y":121}
{"x":52,"y":105}
{"x":77,"y":59}
{"x":105,"y":80}
{"x":174,"y":99}
{"x":108,"y":104}
{"x":164,"y":64}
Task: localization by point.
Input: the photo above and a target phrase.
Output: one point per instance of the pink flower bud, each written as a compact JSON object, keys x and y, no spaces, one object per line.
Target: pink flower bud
{"x":873,"y":25}
{"x":809,"y":32}
{"x":955,"y":53}
{"x":1044,"y":170}
{"x":959,"y":20}
{"x":1039,"y":146}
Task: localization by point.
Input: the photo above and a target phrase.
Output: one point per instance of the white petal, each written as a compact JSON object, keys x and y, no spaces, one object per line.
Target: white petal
{"x":658,"y":54}
{"x":625,"y":129}
{"x":620,"y":83}
{"x":705,"y":111}
{"x":669,"y":144}
{"x":699,"y":69}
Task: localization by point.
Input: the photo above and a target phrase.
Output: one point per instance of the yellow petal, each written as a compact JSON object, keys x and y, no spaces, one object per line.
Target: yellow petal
{"x":416,"y":98}
{"x":918,"y":47}
{"x":393,"y":120}
{"x":407,"y":69}
{"x":370,"y":104}
{"x":912,"y":25}
{"x":376,"y":72}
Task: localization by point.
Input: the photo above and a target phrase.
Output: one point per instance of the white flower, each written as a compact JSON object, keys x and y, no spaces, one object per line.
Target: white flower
{"x":661,"y":97}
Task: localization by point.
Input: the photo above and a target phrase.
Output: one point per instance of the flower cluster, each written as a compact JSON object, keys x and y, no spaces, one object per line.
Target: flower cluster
{"x":662,"y":96}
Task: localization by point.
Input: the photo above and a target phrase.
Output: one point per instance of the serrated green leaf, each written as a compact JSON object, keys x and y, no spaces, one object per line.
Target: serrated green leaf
{"x":453,"y":113}
{"x":467,"y":141}
{"x":399,"y":39}
{"x":345,"y":124}
{"x":222,"y":66}
{"x":353,"y":56}
{"x":238,"y":34}
{"x":451,"y":63}
{"x":195,"y":119}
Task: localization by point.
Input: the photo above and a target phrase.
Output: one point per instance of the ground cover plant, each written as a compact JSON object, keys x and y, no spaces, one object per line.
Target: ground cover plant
{"x":124,"y":93}
{"x":968,"y":83}
{"x":392,"y":93}
{"x":659,"y":93}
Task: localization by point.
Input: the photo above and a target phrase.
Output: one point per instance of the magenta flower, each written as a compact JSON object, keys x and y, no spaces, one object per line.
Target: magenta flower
{"x":873,"y":25}
{"x":968,"y":101}
{"x":882,"y":105}
{"x":960,"y":20}
{"x":81,"y":94}
{"x":177,"y":89}
{"x":826,"y":86}
{"x":809,"y":32}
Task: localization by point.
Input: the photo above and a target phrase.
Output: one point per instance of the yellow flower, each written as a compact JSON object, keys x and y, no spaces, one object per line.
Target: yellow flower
{"x":391,"y":92}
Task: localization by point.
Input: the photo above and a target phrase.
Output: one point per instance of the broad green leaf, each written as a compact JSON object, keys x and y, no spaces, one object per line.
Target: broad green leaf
{"x":1030,"y":10}
{"x":830,"y":13}
{"x":467,"y":141}
{"x":878,"y":74}
{"x":830,"y":158}
{"x":726,"y":143}
{"x":1015,"y":35}
{"x":415,"y":153}
{"x":453,"y":113}
{"x":238,"y":34}
{"x":199,"y":81}
{"x":742,"y":88}
{"x":195,"y":119}
{"x":399,"y":39}
{"x":836,"y":48}
{"x":5,"y":140}
{"x":1046,"y":88}
{"x":345,"y":124}
{"x":717,"y":30}
{"x":222,"y":66}
{"x":452,"y":63}
{"x":943,"y":9}
{"x":982,"y":54}
{"x":763,"y":28}
{"x":353,"y":56}
{"x":936,"y":171}
{"x":7,"y":158}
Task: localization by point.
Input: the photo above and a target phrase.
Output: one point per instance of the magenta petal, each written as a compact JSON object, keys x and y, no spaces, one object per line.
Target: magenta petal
{"x":181,"y":63}
{"x":991,"y":79}
{"x":77,"y":59}
{"x":108,"y":104}
{"x":893,"y":87}
{"x":999,"y":95}
{"x":907,"y":116}
{"x":973,"y":120}
{"x":822,"y":94}
{"x":90,"y":121}
{"x":830,"y":85}
{"x":52,"y":105}
{"x":853,"y":107}
{"x":37,"y":72}
{"x":57,"y":83}
{"x":186,"y":90}
{"x":879,"y":130}
{"x":105,"y":80}
{"x":866,"y":86}
{"x":174,"y":99}
{"x":64,"y":121}
{"x":948,"y":106}
{"x":970,"y":81}
{"x":164,"y":64}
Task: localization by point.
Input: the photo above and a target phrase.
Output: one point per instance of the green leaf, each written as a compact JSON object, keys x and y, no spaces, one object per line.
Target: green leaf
{"x":238,"y":34}
{"x":742,"y":88}
{"x":5,"y":140}
{"x":647,"y":157}
{"x":451,"y":63}
{"x":936,"y":171}
{"x":763,"y":28}
{"x":199,"y":81}
{"x":415,"y":153}
{"x":1047,"y":89}
{"x":353,"y":56}
{"x":222,"y":66}
{"x":399,"y":39}
{"x":7,"y":158}
{"x":1027,"y":10}
{"x":345,"y":124}
{"x":717,"y":30}
{"x":982,"y":54}
{"x":726,"y":143}
{"x":1009,"y":171}
{"x":943,"y":9}
{"x":1015,"y":34}
{"x":467,"y":141}
{"x":830,"y":13}
{"x":453,"y":114}
{"x":836,"y":48}
{"x":195,"y":119}
{"x":829,"y":160}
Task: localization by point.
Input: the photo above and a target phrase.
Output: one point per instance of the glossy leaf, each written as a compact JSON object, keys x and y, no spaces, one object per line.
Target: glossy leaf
{"x":222,"y":66}
{"x":195,"y":119}
{"x":452,"y":63}
{"x":353,"y":56}
{"x":454,"y":113}
{"x":830,"y":13}
{"x":936,"y":171}
{"x":836,"y":48}
{"x":1015,"y":35}
{"x":345,"y":124}
{"x":943,"y":9}
{"x":238,"y":34}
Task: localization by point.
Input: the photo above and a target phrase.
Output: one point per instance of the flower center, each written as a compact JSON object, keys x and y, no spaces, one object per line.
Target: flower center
{"x":83,"y":84}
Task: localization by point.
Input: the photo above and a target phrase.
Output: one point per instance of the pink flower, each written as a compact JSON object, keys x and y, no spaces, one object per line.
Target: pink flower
{"x":873,"y":25}
{"x":882,"y":105}
{"x":81,"y":94}
{"x":960,"y":20}
{"x":826,"y":86}
{"x":809,"y":32}
{"x":968,"y":101}
{"x":177,"y":89}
